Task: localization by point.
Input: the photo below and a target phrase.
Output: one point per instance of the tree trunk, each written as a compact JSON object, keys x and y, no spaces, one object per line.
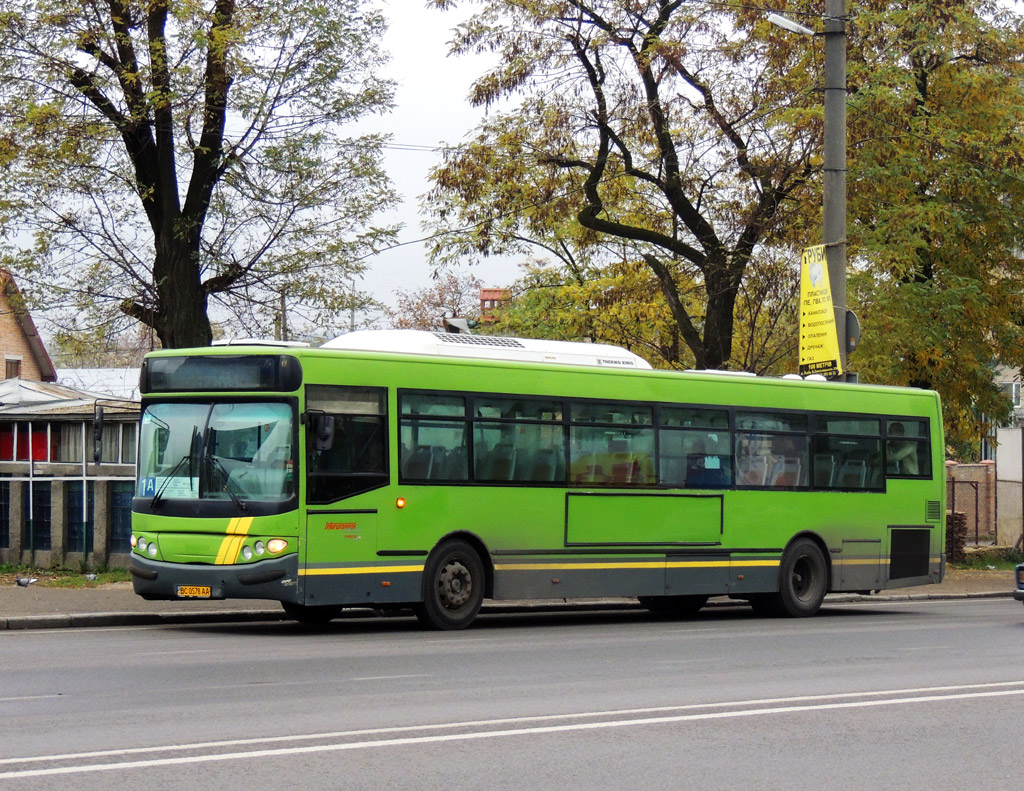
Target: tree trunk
{"x":718,"y":320}
{"x":181,"y":319}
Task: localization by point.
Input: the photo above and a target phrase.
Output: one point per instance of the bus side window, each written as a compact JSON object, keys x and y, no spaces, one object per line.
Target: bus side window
{"x":356,"y":460}
{"x":434,"y":433}
{"x":847,"y":453}
{"x":907,"y":449}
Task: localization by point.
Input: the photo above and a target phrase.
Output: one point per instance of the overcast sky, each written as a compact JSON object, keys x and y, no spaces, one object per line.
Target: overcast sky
{"x":431,"y":110}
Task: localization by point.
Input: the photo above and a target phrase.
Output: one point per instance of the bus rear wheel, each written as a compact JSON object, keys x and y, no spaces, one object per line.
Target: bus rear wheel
{"x":453,"y":587}
{"x":803,"y":583}
{"x":312,"y":615}
{"x":674,"y":606}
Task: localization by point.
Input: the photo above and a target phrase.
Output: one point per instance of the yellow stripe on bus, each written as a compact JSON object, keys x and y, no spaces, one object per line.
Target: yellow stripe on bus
{"x":358,"y":570}
{"x":651,"y":564}
{"x":238,"y":529}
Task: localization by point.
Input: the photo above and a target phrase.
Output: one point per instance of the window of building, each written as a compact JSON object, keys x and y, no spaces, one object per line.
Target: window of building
{"x":1012,"y":391}
{"x":79,"y":519}
{"x":12,"y":369}
{"x":69,"y":439}
{"x":36,"y":535}
{"x":121,"y":493}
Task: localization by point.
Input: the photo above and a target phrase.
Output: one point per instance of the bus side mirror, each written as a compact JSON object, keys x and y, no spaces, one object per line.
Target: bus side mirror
{"x":323,"y":432}
{"x":97,"y":433}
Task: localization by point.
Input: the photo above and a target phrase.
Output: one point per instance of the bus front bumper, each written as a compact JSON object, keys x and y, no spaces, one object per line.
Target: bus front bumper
{"x":275,"y":578}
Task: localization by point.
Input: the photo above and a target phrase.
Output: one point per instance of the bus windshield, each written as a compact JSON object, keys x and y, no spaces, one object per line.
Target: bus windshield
{"x":226,"y":451}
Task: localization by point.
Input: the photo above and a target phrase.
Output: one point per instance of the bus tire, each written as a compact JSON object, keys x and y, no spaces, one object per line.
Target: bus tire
{"x":803,"y":580}
{"x":453,"y":587}
{"x":311,"y":615}
{"x":674,"y":606}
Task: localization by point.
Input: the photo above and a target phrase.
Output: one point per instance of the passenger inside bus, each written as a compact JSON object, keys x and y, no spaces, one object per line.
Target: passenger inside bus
{"x":901,"y":453}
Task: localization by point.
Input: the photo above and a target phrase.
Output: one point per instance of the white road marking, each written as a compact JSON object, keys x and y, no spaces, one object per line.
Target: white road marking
{"x":748,"y":708}
{"x":390,"y":678}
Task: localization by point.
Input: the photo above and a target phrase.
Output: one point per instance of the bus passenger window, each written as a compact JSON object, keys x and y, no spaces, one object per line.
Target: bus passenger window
{"x":907,"y":453}
{"x":695,"y":448}
{"x":433,"y":437}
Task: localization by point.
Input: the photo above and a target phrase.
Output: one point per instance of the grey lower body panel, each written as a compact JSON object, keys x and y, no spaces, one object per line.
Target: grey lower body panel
{"x":276,"y":578}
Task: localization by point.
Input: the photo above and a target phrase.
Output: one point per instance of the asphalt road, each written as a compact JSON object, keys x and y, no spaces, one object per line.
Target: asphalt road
{"x":865,"y":696}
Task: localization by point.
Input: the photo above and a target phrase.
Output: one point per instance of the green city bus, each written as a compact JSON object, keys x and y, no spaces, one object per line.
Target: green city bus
{"x":431,"y":471}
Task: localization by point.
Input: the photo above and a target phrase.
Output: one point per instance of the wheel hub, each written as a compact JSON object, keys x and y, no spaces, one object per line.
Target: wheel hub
{"x":455,"y":584}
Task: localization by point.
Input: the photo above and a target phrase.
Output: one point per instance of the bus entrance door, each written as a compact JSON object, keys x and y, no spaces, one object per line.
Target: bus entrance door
{"x":340,"y":558}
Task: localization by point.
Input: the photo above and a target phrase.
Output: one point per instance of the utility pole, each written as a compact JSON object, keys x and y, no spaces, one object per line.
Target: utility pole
{"x":834,"y":214}
{"x":284,"y":317}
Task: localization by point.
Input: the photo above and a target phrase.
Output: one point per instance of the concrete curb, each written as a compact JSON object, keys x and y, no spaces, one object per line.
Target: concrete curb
{"x":104,"y":619}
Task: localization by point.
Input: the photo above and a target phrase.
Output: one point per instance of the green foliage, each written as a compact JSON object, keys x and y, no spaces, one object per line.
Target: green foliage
{"x":161,"y":160}
{"x":937,"y":178}
{"x":677,"y":135}
{"x":622,"y":304}
{"x":687,"y":136}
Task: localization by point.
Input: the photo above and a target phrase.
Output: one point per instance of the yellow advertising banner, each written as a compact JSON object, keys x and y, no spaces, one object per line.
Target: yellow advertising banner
{"x":819,"y":342}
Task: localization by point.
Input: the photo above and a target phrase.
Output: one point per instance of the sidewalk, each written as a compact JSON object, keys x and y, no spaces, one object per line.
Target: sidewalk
{"x":37,"y":607}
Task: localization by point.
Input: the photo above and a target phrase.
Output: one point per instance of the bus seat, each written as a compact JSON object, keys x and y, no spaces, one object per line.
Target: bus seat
{"x":852,"y":474}
{"x":454,"y":467}
{"x":417,"y":465}
{"x":544,"y":466}
{"x":587,"y":469}
{"x":787,"y":473}
{"x":502,"y":462}
{"x":754,"y":472}
{"x":824,"y":469}
{"x":675,"y":471}
{"x":625,"y":469}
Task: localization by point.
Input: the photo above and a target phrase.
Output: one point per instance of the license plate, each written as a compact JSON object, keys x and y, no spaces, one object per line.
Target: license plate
{"x":194,"y":591}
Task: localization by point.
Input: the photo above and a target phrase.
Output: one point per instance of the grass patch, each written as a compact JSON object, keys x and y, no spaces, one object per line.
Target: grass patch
{"x":61,"y":578}
{"x":986,"y":558}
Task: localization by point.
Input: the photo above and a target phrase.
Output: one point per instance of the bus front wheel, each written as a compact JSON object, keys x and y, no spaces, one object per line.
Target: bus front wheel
{"x":453,"y":587}
{"x":803,"y":582}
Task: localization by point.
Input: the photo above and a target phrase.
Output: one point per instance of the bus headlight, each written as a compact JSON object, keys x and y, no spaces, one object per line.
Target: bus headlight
{"x":276,"y":545}
{"x":141,"y":544}
{"x":247,"y":553}
{"x":260,"y":548}
{"x":151,"y":549}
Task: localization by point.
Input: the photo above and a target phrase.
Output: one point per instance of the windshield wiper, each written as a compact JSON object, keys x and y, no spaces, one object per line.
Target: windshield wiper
{"x":217,"y":464}
{"x":160,"y":492}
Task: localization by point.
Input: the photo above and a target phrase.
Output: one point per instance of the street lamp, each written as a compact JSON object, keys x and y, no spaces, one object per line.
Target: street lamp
{"x":834,"y":213}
